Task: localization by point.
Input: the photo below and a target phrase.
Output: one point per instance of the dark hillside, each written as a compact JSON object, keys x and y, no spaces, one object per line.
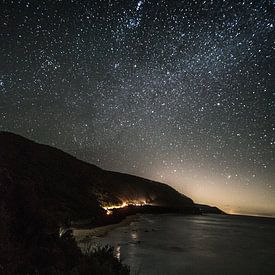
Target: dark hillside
{"x":73,"y":189}
{"x":130,"y":188}
{"x":62,"y":184}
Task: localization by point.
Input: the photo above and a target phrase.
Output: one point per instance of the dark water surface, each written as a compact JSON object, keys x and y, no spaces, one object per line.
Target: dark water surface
{"x":213,"y":244}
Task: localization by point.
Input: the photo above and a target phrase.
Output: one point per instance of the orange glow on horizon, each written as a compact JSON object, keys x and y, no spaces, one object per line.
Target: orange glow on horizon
{"x":233,"y":195}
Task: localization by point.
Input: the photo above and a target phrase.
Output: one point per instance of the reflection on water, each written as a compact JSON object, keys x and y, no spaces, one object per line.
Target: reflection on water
{"x":134,"y":235}
{"x":174,"y":244}
{"x":117,"y":251}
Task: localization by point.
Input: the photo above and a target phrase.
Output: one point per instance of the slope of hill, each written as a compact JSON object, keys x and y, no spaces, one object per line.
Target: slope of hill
{"x":209,"y":209}
{"x":72,"y":189}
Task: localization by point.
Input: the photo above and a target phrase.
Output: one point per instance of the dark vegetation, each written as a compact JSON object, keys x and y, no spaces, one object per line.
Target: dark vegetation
{"x":43,"y":189}
{"x":30,"y":241}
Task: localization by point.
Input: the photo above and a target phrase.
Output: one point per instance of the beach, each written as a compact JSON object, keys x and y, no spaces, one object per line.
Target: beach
{"x":86,"y":235}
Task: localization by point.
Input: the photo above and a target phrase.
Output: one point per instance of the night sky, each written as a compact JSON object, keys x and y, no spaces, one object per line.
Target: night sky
{"x":182,"y":92}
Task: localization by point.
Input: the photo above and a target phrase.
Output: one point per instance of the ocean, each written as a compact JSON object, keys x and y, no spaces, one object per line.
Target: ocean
{"x":208,"y":244}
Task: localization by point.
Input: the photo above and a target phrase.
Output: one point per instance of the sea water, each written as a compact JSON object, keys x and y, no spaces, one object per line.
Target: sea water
{"x":208,"y":244}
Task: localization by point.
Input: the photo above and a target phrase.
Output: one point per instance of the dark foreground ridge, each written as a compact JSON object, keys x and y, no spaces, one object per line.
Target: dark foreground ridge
{"x":43,"y":189}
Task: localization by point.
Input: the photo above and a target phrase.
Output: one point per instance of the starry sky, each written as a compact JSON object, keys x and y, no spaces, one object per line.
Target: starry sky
{"x":181,"y":92}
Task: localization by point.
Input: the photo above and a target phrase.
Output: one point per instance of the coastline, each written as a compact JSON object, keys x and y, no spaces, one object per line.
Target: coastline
{"x":122,"y":217}
{"x":85,"y":235}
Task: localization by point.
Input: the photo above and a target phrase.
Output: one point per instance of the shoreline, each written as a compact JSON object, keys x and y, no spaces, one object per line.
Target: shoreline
{"x":122,"y":217}
{"x":86,"y":235}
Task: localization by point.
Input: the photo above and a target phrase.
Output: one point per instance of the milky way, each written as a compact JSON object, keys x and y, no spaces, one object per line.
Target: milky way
{"x":177,"y":91}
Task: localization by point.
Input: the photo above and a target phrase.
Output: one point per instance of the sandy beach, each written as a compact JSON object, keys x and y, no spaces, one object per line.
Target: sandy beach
{"x":85,"y":235}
